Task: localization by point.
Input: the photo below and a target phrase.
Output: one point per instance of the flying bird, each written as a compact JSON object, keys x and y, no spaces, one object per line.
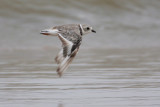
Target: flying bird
{"x":71,"y":37}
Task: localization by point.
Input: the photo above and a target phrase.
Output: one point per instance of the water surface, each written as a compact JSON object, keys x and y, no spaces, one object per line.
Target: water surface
{"x":97,"y":78}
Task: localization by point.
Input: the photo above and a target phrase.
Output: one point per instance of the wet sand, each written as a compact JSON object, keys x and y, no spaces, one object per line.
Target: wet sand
{"x":96,"y":78}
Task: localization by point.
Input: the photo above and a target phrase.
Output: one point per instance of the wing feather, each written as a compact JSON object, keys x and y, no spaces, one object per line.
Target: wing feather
{"x":65,"y":63}
{"x":59,"y":58}
{"x":67,"y":45}
{"x":67,"y":54}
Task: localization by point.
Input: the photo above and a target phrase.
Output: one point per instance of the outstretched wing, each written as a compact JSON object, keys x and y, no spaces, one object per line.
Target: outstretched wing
{"x":67,"y":54}
{"x":66,"y":44}
{"x":65,"y":63}
{"x":66,"y":50}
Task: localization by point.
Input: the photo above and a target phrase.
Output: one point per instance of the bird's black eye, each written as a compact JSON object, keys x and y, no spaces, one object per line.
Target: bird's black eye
{"x":88,"y":28}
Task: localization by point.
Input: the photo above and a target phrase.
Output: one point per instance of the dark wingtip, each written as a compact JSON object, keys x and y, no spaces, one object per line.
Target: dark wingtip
{"x":59,"y":73}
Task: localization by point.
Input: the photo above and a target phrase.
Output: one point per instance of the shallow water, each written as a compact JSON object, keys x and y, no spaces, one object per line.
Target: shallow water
{"x":96,"y":78}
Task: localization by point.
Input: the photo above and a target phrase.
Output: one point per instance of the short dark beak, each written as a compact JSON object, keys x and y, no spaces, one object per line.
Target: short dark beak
{"x":94,"y":31}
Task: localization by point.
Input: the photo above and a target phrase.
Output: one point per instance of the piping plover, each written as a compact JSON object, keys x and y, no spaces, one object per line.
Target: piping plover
{"x":71,"y":36}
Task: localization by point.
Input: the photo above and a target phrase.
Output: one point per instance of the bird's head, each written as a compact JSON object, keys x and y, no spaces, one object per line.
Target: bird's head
{"x":87,"y":29}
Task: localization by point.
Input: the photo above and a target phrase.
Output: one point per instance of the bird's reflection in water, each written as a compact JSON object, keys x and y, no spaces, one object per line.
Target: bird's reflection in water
{"x":60,"y":104}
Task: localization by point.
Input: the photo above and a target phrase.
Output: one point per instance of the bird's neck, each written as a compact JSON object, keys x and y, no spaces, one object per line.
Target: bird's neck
{"x":81,"y":30}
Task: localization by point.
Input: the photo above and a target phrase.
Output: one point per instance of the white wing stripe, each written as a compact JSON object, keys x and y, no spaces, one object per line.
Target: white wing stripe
{"x":67,"y":43}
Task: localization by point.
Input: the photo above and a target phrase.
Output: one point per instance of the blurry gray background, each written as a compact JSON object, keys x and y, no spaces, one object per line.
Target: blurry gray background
{"x":119,"y":23}
{"x":119,"y":66}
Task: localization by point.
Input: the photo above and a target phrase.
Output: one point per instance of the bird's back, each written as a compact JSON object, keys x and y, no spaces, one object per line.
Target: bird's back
{"x":70,"y":32}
